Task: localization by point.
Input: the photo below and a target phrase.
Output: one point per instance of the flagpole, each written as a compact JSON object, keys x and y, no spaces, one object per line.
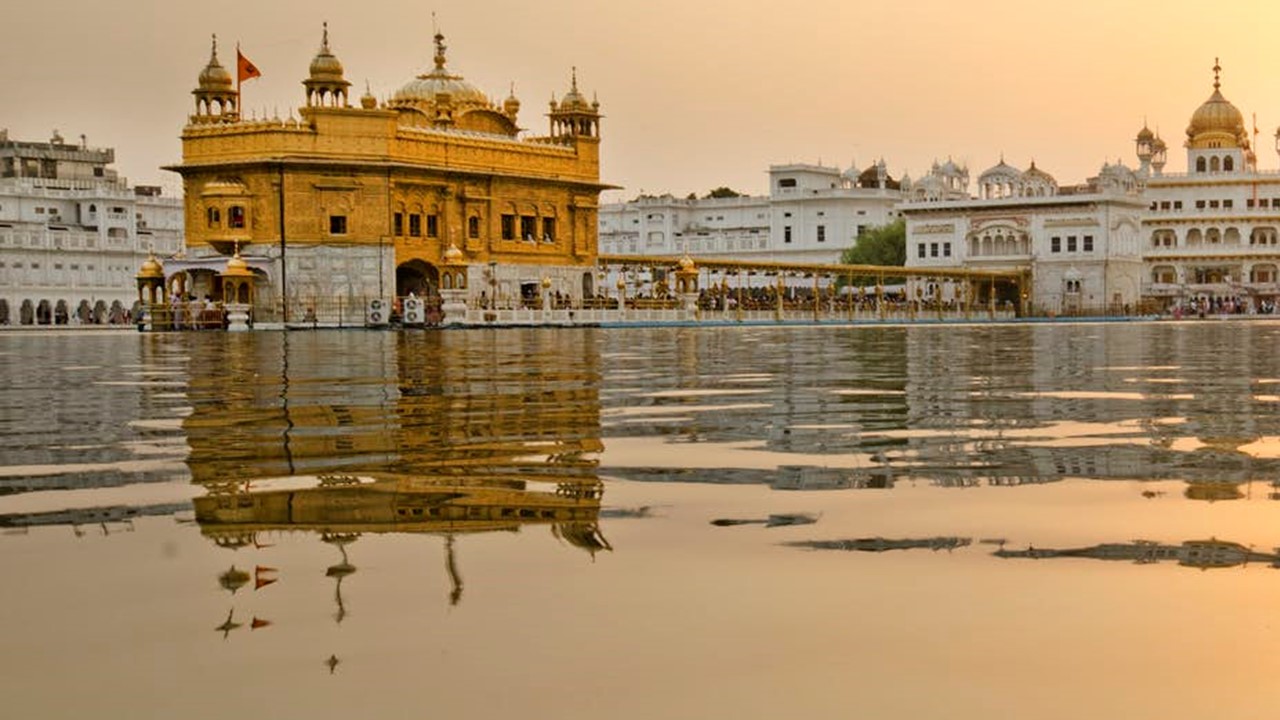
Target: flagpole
{"x":239,"y":107}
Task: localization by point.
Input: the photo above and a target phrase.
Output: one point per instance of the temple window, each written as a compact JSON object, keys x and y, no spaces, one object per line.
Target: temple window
{"x":528,"y":226}
{"x":213,"y":217}
{"x":415,"y":225}
{"x":508,"y":227}
{"x":235,"y":216}
{"x":433,"y":226}
{"x":1055,"y":244}
{"x":337,"y":224}
{"x":1071,"y":243}
{"x":473,"y":227}
{"x":1200,"y":165}
{"x":397,"y":224}
{"x":548,"y":229}
{"x":822,"y":233}
{"x":1088,"y":243}
{"x":1228,"y":164}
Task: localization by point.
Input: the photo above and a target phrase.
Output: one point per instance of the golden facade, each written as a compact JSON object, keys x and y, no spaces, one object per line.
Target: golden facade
{"x":370,"y":201}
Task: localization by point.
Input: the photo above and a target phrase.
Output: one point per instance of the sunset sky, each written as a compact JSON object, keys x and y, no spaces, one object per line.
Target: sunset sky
{"x":696,"y":95}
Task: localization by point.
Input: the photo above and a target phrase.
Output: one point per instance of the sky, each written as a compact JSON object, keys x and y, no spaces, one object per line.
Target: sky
{"x":695,"y":95}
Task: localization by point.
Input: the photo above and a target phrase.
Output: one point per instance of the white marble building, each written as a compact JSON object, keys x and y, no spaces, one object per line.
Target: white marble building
{"x":73,"y":233}
{"x":811,"y":214}
{"x":1211,"y":235}
{"x":1079,"y":243}
{"x":1203,"y":240}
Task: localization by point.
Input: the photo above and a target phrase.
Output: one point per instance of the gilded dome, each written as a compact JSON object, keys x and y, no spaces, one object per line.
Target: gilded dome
{"x":1145,"y":134}
{"x":325,"y":66}
{"x":214,"y":77}
{"x":574,"y":101}
{"x":453,"y":256}
{"x":1218,"y":116}
{"x":686,"y":263}
{"x":425,"y":89}
{"x":151,"y":268}
{"x":237,"y":266}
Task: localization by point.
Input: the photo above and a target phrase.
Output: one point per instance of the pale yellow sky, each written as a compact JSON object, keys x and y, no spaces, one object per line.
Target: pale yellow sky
{"x":695,"y":95}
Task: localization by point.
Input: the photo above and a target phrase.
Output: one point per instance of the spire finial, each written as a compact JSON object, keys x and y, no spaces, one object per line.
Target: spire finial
{"x":1217,"y":71}
{"x":324,"y":42}
{"x":213,"y":54}
{"x":575,"y":78}
{"x":440,"y":46}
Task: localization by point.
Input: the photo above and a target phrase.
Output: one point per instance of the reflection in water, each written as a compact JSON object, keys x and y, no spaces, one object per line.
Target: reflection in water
{"x":316,"y":460}
{"x":341,"y":508}
{"x":879,"y":544}
{"x":1204,"y":554}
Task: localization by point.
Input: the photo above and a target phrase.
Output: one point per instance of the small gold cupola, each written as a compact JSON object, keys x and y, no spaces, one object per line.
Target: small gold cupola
{"x":326,"y":85}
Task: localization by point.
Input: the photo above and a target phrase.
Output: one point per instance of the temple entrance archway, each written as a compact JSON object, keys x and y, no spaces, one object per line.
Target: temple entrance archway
{"x":417,"y":277}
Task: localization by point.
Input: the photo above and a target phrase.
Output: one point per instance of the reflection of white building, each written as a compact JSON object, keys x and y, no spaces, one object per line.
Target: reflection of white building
{"x":811,"y":214}
{"x":1080,"y":242}
{"x":73,"y":233}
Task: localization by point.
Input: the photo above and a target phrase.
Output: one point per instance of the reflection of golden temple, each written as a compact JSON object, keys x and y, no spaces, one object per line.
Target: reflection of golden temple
{"x":346,"y":505}
{"x":1204,"y":554}
{"x":341,"y":507}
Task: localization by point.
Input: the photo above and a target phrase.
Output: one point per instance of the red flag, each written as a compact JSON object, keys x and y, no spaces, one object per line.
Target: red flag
{"x":245,"y":70}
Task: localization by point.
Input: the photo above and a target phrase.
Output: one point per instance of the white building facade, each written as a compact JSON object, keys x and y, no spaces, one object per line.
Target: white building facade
{"x":1211,"y":234}
{"x":73,"y":233}
{"x":1080,"y":244}
{"x":1207,"y":240}
{"x":811,"y":214}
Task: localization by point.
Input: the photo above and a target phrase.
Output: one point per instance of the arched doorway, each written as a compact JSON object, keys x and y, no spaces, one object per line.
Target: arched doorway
{"x":4,"y":312}
{"x":44,"y":313}
{"x":418,"y":278}
{"x":27,"y":313}
{"x":100,"y":312}
{"x":588,"y":285}
{"x":117,"y":315}
{"x":60,"y":313}
{"x":84,"y":313}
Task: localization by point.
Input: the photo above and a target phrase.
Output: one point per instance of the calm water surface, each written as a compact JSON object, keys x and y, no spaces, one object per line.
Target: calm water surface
{"x":1047,"y":521}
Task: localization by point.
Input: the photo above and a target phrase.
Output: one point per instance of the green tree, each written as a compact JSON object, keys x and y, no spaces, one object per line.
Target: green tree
{"x":880,"y":245}
{"x":724,"y":192}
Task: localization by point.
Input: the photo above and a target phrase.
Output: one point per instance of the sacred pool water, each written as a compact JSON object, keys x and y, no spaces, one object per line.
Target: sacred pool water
{"x":986,"y":521}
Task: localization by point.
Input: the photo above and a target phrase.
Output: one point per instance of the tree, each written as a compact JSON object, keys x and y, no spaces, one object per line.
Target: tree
{"x":880,"y":245}
{"x":724,"y":192}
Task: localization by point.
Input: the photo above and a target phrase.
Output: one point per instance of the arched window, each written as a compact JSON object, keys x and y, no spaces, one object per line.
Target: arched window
{"x":1228,"y":164}
{"x":473,"y":227}
{"x":235,"y":216}
{"x":1200,"y":166}
{"x":93,"y":208}
{"x":1213,"y":164}
{"x":214,"y":217}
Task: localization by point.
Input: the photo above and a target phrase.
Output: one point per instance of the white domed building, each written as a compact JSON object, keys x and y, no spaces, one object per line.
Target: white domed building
{"x":1211,"y":236}
{"x":1079,"y":244}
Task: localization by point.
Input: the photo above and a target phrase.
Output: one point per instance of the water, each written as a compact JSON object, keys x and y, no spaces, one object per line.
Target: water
{"x":961,"y":521}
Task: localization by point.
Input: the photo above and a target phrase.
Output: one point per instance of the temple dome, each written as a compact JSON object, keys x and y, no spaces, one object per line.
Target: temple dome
{"x":1217,"y":117}
{"x":214,"y":77}
{"x":424,"y":91}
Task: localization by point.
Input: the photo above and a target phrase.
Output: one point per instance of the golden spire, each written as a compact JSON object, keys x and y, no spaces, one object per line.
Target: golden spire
{"x":1217,"y":70}
{"x":324,"y":41}
{"x":440,"y":47}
